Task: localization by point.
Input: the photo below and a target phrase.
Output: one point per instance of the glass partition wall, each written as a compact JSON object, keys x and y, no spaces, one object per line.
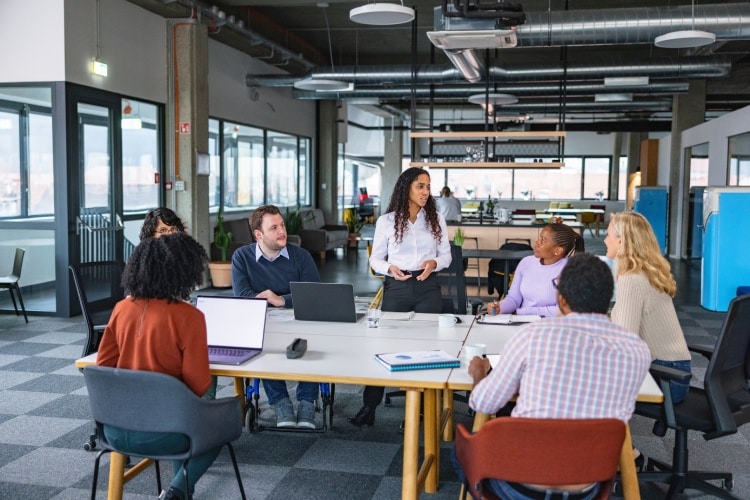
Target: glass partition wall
{"x":738,"y":173}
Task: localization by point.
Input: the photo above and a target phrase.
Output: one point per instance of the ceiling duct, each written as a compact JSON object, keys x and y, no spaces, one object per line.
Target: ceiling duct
{"x":389,"y":76}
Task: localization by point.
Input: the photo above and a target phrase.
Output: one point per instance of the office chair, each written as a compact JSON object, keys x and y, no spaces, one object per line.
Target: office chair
{"x":496,"y":269}
{"x":11,"y":282}
{"x":541,"y":451}
{"x":366,"y":211}
{"x":715,"y":410}
{"x":98,"y":288}
{"x":156,"y":402}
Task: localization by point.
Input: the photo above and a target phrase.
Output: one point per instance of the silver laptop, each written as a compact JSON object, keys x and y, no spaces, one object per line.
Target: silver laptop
{"x":235,"y":325}
{"x":324,"y":302}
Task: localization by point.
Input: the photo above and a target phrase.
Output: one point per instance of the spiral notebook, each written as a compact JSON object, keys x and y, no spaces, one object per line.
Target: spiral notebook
{"x":417,"y":360}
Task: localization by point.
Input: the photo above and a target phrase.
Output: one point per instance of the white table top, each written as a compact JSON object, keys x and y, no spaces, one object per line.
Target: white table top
{"x":573,"y":210}
{"x":421,"y":327}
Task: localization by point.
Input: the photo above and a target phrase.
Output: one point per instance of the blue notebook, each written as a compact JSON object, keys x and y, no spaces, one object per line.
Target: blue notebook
{"x":417,"y":360}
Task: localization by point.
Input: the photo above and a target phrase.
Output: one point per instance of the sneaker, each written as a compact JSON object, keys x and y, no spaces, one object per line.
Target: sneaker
{"x":285,"y":413}
{"x":306,"y":415}
{"x":172,"y":494}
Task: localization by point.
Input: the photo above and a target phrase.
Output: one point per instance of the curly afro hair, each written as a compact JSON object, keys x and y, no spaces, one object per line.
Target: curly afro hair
{"x":399,"y":204}
{"x":168,"y":268}
{"x":163,"y":214}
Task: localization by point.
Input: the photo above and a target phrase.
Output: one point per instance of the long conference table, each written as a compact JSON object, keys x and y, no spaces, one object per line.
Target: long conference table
{"x":343,"y":353}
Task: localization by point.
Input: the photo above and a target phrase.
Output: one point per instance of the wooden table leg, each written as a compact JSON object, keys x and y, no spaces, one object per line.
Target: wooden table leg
{"x":409,"y":482}
{"x":628,"y":475}
{"x":448,"y":406}
{"x":116,"y":476}
{"x":431,"y":440}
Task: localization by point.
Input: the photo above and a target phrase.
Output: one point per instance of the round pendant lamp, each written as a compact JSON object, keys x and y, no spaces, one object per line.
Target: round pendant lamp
{"x":382,"y":14}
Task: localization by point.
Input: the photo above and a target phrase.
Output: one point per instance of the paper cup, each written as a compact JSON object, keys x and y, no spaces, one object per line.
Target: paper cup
{"x":472,"y":350}
{"x":447,"y":320}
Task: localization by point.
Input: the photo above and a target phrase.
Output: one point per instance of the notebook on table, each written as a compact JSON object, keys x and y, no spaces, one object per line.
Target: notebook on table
{"x":235,"y":327}
{"x":417,"y":360}
{"x":324,"y":302}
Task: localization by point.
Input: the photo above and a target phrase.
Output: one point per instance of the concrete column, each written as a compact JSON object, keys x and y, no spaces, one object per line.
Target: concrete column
{"x":393,"y":153}
{"x":688,"y":110}
{"x":326,"y":178}
{"x":187,"y":118}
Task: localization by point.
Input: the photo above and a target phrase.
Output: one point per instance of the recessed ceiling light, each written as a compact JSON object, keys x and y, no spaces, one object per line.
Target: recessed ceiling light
{"x":493,"y":99}
{"x":613,"y":97}
{"x":684,"y":39}
{"x":382,"y":14}
{"x":320,"y":84}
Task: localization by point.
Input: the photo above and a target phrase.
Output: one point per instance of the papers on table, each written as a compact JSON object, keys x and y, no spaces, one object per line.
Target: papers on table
{"x":398,"y":316}
{"x":508,"y":319}
{"x":417,"y":360}
{"x":494,"y":360}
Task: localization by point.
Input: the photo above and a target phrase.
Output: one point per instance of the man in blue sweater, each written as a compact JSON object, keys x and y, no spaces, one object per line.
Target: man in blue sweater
{"x":264,"y":270}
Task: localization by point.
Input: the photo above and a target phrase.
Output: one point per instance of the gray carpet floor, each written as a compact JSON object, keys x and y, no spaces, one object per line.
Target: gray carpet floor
{"x":44,"y":420}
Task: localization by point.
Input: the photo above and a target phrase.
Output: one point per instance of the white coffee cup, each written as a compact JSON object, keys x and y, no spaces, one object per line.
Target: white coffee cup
{"x":447,"y":320}
{"x":472,"y":350}
{"x":373,"y":318}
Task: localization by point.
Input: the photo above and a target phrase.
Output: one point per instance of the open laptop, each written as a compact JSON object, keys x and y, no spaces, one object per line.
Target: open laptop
{"x":235,"y":325}
{"x":324,"y":302}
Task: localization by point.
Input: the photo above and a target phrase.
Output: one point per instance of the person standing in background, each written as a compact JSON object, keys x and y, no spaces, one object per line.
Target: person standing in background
{"x":449,"y":206}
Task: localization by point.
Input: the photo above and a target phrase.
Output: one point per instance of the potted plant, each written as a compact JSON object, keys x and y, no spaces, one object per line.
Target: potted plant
{"x":458,"y":237}
{"x":221,"y":271}
{"x":353,"y":225}
{"x":293,"y":222}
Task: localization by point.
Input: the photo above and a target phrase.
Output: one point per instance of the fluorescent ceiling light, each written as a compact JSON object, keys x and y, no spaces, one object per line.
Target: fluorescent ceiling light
{"x":493,"y":99}
{"x":382,"y":14}
{"x":613,"y":97}
{"x":684,"y":39}
{"x":320,"y":84}
{"x":98,"y":67}
{"x":626,"y":81}
{"x":477,"y":39}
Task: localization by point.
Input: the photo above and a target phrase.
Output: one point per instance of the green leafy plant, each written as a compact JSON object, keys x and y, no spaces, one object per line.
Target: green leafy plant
{"x":222,"y":239}
{"x":352,"y":222}
{"x":294,"y":220}
{"x":458,"y":237}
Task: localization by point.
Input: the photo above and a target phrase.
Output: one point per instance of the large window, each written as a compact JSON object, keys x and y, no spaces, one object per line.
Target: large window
{"x":26,"y":180}
{"x":582,"y":177}
{"x":739,"y":160}
{"x":251,"y":166}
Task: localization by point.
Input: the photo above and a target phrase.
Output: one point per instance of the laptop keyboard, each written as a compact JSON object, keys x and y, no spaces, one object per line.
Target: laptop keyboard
{"x":226,"y":351}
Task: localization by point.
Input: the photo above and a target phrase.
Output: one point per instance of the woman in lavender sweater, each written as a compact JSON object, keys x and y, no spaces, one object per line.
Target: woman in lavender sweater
{"x":532,"y":290}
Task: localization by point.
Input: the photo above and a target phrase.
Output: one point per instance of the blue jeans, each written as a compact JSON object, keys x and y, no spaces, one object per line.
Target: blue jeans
{"x":677,"y":390}
{"x":503,"y":489}
{"x":276,"y":391}
{"x":137,"y":443}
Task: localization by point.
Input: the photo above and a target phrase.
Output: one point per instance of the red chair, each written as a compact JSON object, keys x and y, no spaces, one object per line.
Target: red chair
{"x":541,"y":451}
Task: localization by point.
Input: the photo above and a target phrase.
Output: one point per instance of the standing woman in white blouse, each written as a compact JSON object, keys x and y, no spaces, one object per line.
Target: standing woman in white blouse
{"x":645,"y":288}
{"x":409,"y":246}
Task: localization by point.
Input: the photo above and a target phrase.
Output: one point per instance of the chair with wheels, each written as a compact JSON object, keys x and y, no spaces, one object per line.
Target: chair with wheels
{"x":11,"y":282}
{"x":540,"y":451}
{"x":496,"y":269}
{"x":156,"y":402}
{"x":98,"y":288}
{"x":716,"y":410}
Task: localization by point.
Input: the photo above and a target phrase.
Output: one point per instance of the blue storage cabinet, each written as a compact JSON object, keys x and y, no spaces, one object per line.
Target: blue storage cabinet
{"x":726,"y":239}
{"x":653,"y":203}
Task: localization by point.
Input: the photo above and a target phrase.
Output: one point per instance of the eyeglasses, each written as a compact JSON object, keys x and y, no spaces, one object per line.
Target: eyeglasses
{"x":167,"y":230}
{"x":556,"y":282}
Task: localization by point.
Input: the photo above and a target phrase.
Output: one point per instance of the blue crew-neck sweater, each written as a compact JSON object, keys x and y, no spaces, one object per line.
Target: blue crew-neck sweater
{"x":250,"y":276}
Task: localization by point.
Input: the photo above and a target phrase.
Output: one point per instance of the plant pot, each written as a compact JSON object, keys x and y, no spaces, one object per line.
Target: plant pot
{"x":353,"y":242}
{"x":221,"y":274}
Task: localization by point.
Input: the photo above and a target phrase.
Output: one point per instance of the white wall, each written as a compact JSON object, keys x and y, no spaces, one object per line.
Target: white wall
{"x":230,"y":99}
{"x":33,"y":48}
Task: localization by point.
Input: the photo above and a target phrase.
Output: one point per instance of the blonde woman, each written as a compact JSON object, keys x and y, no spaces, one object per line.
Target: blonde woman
{"x":645,"y":288}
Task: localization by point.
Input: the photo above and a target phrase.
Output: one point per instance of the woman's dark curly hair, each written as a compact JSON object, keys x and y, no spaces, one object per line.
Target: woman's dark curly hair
{"x":152,"y":219}
{"x":169,"y":268}
{"x":399,"y":204}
